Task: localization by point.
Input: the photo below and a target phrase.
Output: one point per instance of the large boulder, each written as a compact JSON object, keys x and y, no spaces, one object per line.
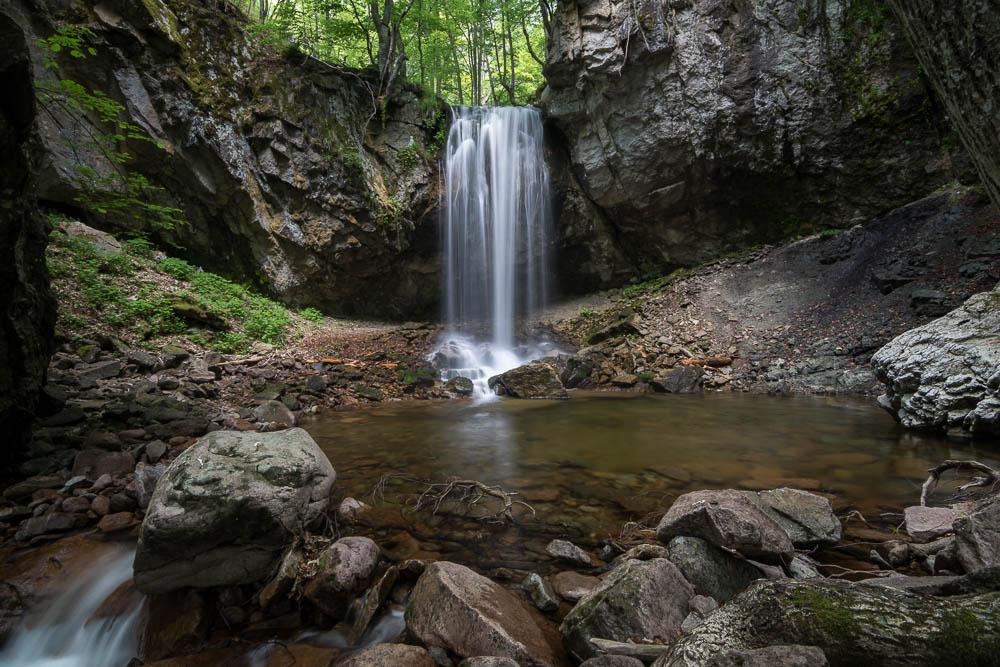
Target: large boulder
{"x":530,"y":381}
{"x":807,"y":518}
{"x":728,"y":519}
{"x":638,"y":600}
{"x":946,"y":374}
{"x":977,"y":535}
{"x":454,"y":608}
{"x":697,"y":126}
{"x":227,"y":506}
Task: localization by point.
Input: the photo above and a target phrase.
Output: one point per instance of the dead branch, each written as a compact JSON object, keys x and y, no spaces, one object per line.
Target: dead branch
{"x":991,"y":479}
{"x":467,"y":491}
{"x":713,"y":362}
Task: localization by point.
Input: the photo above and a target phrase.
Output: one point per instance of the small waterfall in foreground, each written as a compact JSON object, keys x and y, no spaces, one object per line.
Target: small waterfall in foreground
{"x":495,"y":230}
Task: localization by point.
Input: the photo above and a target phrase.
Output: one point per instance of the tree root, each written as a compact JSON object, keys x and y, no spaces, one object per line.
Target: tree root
{"x":991,"y":479}
{"x":465,"y":491}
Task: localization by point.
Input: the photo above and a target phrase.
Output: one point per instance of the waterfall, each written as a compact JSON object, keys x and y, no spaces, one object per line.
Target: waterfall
{"x":495,"y":228}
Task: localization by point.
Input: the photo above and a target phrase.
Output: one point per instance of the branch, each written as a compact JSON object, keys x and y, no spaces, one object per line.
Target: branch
{"x":991,"y":479}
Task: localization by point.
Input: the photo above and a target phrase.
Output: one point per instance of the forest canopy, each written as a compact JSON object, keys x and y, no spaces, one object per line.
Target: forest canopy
{"x":477,"y":52}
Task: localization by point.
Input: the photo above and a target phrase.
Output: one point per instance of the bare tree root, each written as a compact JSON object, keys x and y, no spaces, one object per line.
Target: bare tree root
{"x":469,"y":492}
{"x":991,"y":478}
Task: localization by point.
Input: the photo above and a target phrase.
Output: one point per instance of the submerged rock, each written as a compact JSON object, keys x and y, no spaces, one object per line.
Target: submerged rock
{"x":454,"y":608}
{"x":946,"y":374}
{"x":530,"y":381}
{"x":726,"y":518}
{"x":639,"y":599}
{"x":227,"y":506}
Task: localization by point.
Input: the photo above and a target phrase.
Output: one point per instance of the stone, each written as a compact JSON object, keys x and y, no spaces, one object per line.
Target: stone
{"x":349,"y":509}
{"x":569,"y":553}
{"x":612,"y":661}
{"x":639,"y":599}
{"x":102,"y":440}
{"x":791,"y":655}
{"x":100,"y":505}
{"x":488,"y":661}
{"x":54,"y":522}
{"x":373,"y":601}
{"x":465,"y":613}
{"x":155,"y":450}
{"x":680,"y":380}
{"x":801,"y":567}
{"x":112,"y":523}
{"x":710,"y":570}
{"x":530,"y":381}
{"x":977,"y":535}
{"x":945,"y":374}
{"x":173,"y":356}
{"x":87,"y":376}
{"x":346,"y":569}
{"x":190,"y":308}
{"x":281,"y":585}
{"x":23,"y":489}
{"x":168,"y":383}
{"x":624,"y":326}
{"x":66,"y":417}
{"x":572,"y":585}
{"x":807,"y":518}
{"x":93,"y":463}
{"x":274,"y":412}
{"x":146,"y":477}
{"x":462,"y":386}
{"x":227,"y":506}
{"x":926,"y":524}
{"x":75,"y":504}
{"x":144,"y":360}
{"x":541,"y":593}
{"x":77,"y":482}
{"x":382,"y":655}
{"x":104,"y":243}
{"x":726,"y":518}
{"x":316,"y":383}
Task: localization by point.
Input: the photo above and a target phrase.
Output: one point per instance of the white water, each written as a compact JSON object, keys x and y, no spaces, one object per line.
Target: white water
{"x":495,"y":232}
{"x":61,"y":633}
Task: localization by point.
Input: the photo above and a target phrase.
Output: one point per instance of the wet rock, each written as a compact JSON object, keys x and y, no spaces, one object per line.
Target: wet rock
{"x":283,"y":581}
{"x":454,"y":608}
{"x":112,"y":523}
{"x":373,"y":601}
{"x":172,"y":624}
{"x":710,"y":570}
{"x":945,"y":374}
{"x":488,"y":661}
{"x":612,"y":661}
{"x":87,"y":376}
{"x":572,"y":585}
{"x":227,"y":506}
{"x":807,"y":518}
{"x":75,"y":504}
{"x":24,"y":489}
{"x":100,"y":505}
{"x":638,"y":599}
{"x":977,"y":536}
{"x":146,"y":477}
{"x":541,"y":593}
{"x":54,"y":522}
{"x":381,"y":655}
{"x":926,"y":524}
{"x":274,"y":412}
{"x":569,"y":553}
{"x":728,"y":519}
{"x":346,"y":569}
{"x":461,"y":386}
{"x":680,"y":380}
{"x":349,"y":509}
{"x":530,"y":381}
{"x":93,"y":463}
{"x":791,"y":655}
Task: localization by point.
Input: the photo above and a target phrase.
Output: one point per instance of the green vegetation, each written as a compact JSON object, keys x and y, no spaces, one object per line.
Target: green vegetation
{"x":418,"y":376}
{"x":645,"y":376}
{"x":586,"y":312}
{"x":129,"y":291}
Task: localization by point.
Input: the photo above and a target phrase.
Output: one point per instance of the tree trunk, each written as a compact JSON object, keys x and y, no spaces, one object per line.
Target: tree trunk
{"x":957,"y":45}
{"x":855,"y":624}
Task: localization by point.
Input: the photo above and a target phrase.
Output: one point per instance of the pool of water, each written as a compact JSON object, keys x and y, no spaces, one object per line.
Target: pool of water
{"x":600,"y":463}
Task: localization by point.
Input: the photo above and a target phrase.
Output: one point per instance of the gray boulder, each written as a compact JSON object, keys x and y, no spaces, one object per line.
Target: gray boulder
{"x":946,"y":374}
{"x":638,"y":600}
{"x":710,"y":570}
{"x":569,"y":552}
{"x":726,"y":518}
{"x":274,"y":412}
{"x":926,"y":524}
{"x":488,"y":661}
{"x":346,"y":569}
{"x":530,"y":381}
{"x":460,"y":385}
{"x":807,"y":518}
{"x":681,"y":380}
{"x":977,"y":536}
{"x":227,"y":506}
{"x":455,"y":609}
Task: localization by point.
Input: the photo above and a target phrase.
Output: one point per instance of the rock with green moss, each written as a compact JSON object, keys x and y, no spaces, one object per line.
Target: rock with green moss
{"x":188,"y":307}
{"x":226,"y":508}
{"x":638,"y":600}
{"x":460,"y":385}
{"x":852,"y":624}
{"x":530,"y":381}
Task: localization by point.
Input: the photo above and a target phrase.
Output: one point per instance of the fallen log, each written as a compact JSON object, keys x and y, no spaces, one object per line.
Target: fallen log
{"x":714,"y":362}
{"x":854,"y":625}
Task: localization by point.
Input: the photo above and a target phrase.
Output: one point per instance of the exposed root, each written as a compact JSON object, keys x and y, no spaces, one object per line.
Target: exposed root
{"x":992,"y":477}
{"x":469,"y":492}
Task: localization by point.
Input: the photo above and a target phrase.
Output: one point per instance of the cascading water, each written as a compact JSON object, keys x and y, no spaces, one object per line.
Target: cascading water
{"x":495,"y":232}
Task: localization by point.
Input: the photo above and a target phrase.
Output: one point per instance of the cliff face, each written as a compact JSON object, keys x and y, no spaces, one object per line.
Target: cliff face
{"x":700,"y":126}
{"x":27,"y":310}
{"x":288,"y":172}
{"x":956,"y":43}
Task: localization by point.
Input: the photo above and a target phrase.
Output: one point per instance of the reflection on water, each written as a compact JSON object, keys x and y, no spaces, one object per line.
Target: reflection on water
{"x":597,"y":460}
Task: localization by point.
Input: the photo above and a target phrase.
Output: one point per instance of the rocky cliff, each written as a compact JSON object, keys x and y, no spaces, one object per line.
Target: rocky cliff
{"x":699,"y":126}
{"x":28,"y":310}
{"x":289,"y":173}
{"x":956,"y":43}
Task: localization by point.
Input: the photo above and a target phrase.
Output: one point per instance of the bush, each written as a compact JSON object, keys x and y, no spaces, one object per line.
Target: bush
{"x":231,"y":343}
{"x":266,"y":320}
{"x":141,"y":248}
{"x":312,"y":314}
{"x":178,"y":268}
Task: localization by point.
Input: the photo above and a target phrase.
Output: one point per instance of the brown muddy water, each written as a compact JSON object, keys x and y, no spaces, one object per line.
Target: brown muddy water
{"x":598,"y":464}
